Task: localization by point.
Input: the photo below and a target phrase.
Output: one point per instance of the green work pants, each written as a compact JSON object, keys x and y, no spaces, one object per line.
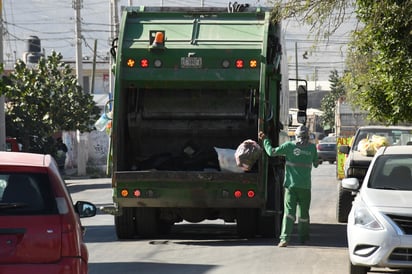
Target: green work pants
{"x":296,"y":198}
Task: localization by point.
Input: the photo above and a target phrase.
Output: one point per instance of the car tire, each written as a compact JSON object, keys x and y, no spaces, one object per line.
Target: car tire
{"x":358,"y":269}
{"x":344,"y":205}
{"x":331,"y":162}
{"x":320,"y":161}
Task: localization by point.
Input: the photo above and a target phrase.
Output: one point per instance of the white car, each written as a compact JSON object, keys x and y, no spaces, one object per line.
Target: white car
{"x":379,"y":225}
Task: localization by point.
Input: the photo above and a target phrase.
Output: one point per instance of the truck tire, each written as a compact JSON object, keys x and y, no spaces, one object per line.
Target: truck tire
{"x":126,"y":224}
{"x":344,"y":205}
{"x":246,"y":220}
{"x":147,"y":222}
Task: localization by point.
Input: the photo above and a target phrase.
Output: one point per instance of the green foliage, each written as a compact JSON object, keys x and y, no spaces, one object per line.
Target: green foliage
{"x":324,"y":16}
{"x":44,"y":100}
{"x":328,"y":103}
{"x":380,"y":61}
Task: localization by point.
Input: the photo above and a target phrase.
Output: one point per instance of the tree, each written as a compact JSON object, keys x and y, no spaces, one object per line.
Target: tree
{"x":328,"y":102}
{"x":380,"y":63}
{"x":380,"y":55}
{"x":324,"y":17}
{"x":44,"y":100}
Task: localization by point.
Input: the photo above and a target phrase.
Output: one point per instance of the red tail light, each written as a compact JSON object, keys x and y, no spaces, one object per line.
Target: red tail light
{"x":239,"y":63}
{"x":70,"y":236}
{"x":137,"y":193}
{"x":237,"y":194}
{"x":144,"y":63}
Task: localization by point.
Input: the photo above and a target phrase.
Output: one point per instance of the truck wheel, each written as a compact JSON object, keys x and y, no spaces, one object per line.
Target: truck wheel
{"x":165,"y":227}
{"x":147,"y":222}
{"x":126,"y":224}
{"x":344,"y":205}
{"x":246,"y":219}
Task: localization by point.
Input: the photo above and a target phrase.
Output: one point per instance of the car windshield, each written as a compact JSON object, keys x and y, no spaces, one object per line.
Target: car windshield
{"x":392,"y":172}
{"x":395,"y":137}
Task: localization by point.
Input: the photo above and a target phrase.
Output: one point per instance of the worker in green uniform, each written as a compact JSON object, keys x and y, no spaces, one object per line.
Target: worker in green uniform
{"x":300,"y":156}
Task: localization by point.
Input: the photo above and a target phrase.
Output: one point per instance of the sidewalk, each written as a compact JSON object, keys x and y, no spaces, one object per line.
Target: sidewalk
{"x":71,"y":174}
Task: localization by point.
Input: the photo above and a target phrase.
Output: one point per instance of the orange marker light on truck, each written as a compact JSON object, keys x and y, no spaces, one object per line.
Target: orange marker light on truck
{"x":130,"y":63}
{"x":124,"y":192}
{"x":253,"y":63}
{"x":159,"y":39}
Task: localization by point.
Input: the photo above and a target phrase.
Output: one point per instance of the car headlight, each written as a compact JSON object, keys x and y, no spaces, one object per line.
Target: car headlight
{"x":365,"y":219}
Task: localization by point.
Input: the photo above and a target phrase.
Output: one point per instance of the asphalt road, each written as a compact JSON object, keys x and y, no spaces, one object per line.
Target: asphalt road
{"x":212,"y":247}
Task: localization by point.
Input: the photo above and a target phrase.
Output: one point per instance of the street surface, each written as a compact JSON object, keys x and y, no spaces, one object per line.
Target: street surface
{"x":212,"y":246}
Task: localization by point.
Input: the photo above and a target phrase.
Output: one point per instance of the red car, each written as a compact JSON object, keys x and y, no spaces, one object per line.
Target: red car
{"x":11,"y":144}
{"x":40,"y":229}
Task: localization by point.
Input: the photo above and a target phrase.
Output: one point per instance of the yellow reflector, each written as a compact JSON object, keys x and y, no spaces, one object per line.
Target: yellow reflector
{"x":253,"y":63}
{"x":130,"y":63}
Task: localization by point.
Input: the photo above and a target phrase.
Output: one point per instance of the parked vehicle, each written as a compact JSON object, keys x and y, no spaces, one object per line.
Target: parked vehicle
{"x":40,"y":229}
{"x":12,"y":144}
{"x":379,"y":231}
{"x":327,"y":149}
{"x":190,"y":81}
{"x":357,"y":160}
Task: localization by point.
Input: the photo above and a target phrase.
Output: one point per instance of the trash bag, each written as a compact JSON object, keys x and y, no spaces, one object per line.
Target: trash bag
{"x":247,"y":153}
{"x":227,"y":161}
{"x":368,"y":147}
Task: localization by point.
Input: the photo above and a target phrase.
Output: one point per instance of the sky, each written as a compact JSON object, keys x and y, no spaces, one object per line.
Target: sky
{"x":54,"y":24}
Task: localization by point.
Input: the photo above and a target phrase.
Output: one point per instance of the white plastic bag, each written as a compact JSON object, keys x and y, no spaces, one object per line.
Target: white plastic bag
{"x":227,"y":160}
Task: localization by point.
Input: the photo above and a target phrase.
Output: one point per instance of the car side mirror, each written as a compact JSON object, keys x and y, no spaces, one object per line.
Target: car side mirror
{"x":85,"y":209}
{"x":351,"y":184}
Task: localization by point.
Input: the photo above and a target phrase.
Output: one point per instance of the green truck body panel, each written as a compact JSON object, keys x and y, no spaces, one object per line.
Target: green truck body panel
{"x":175,"y":101}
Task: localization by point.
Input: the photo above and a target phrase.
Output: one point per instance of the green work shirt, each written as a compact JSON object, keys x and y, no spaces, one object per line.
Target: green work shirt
{"x":299,"y":161}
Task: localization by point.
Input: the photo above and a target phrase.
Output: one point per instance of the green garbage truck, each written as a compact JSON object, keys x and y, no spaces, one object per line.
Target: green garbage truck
{"x":191,"y":84}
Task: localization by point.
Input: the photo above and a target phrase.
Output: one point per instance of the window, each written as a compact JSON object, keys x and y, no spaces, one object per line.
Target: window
{"x":26,"y":194}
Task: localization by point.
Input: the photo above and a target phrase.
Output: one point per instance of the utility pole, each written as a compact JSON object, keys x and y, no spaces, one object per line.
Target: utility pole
{"x":81,"y":137}
{"x":2,"y":101}
{"x":296,"y":63}
{"x":114,"y":32}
